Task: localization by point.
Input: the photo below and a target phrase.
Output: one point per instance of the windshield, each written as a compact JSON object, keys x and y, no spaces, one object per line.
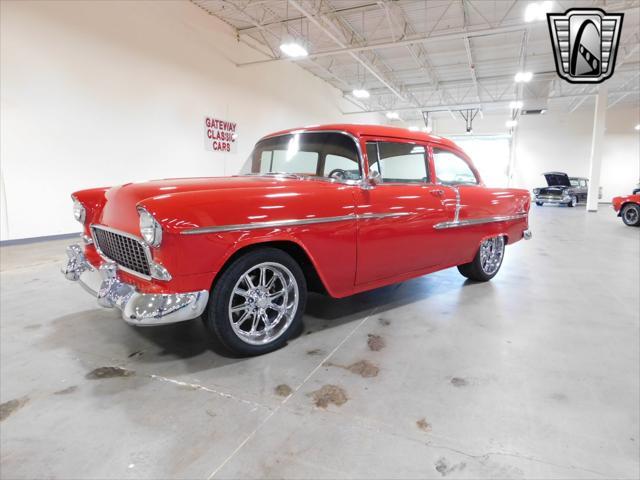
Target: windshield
{"x":321,"y":154}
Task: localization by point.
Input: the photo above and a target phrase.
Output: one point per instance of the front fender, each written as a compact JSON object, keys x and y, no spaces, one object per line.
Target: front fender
{"x":331,"y":246}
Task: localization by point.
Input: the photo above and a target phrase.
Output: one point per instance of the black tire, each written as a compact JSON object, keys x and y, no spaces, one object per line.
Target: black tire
{"x":474,"y":271}
{"x":631,"y":214}
{"x":217,"y":316}
{"x":573,"y":202}
{"x":539,"y":204}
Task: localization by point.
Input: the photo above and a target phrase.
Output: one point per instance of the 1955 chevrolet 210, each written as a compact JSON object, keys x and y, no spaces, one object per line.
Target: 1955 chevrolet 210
{"x":338,"y":209}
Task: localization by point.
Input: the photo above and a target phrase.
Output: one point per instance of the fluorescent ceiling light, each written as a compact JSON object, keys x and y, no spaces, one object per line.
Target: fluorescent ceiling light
{"x":293,"y":49}
{"x":393,"y":115}
{"x":537,"y":11}
{"x":360,"y":93}
{"x":413,"y":128}
{"x":515,"y":105}
{"x":511,"y":123}
{"x":523,"y":77}
{"x":637,"y":127}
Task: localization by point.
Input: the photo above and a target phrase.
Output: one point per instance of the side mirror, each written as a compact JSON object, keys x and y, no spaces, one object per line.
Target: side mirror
{"x":374,"y":177}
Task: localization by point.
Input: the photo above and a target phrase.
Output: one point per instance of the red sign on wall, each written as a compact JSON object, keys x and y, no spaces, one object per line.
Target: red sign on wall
{"x":220,"y":135}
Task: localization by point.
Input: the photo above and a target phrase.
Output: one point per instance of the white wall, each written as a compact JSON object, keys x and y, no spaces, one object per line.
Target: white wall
{"x":562,"y":142}
{"x":104,"y":92}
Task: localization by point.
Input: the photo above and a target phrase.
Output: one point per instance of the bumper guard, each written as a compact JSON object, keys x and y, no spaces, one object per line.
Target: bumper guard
{"x":141,"y":309}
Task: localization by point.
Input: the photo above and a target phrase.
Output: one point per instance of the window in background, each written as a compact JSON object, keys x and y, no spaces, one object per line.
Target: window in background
{"x":490,"y":155}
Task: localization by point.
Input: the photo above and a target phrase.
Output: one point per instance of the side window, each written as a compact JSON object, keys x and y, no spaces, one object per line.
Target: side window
{"x":451,"y":169}
{"x":583,"y":183}
{"x":337,"y":162}
{"x":399,"y":162}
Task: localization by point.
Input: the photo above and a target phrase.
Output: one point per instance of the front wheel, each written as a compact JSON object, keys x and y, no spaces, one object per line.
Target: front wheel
{"x":631,"y":214}
{"x":573,"y":202}
{"x":487,"y":262}
{"x":539,"y":204}
{"x":257,"y":303}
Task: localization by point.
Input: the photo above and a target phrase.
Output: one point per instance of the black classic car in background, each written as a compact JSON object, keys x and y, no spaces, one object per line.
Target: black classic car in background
{"x":562,"y":189}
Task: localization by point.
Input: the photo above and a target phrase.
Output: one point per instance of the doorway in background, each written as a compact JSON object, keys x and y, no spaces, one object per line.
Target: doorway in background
{"x":490,"y":155}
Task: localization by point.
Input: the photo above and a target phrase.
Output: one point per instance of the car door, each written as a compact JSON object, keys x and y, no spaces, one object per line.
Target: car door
{"x":477,"y":203}
{"x":396,"y":217}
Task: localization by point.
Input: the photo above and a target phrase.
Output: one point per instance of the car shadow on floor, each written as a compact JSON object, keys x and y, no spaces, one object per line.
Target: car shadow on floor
{"x":102,"y":333}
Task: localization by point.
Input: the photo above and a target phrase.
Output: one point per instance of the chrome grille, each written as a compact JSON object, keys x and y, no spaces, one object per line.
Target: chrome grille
{"x":126,"y":251}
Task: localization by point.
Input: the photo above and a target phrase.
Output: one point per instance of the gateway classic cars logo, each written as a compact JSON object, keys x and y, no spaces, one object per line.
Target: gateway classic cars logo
{"x":585,"y":43}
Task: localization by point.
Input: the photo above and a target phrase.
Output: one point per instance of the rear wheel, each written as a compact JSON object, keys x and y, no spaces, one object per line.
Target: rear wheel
{"x":257,"y":303}
{"x":631,"y":214}
{"x":487,"y":262}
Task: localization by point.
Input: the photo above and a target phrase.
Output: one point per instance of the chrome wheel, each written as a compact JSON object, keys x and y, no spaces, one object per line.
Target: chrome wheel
{"x":574,"y":201}
{"x":631,"y":215}
{"x":263,"y":303}
{"x":491,"y":253}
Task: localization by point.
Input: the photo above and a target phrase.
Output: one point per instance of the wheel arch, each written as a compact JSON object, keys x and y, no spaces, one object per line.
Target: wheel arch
{"x":315,"y":283}
{"x":628,"y":202}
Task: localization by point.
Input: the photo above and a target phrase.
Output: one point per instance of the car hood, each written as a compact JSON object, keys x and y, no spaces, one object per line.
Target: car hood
{"x":138,"y":192}
{"x":555,"y":179}
{"x":119,"y":209}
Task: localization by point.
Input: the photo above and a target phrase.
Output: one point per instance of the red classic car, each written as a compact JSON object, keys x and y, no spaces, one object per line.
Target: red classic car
{"x":337,"y":209}
{"x":628,"y":207}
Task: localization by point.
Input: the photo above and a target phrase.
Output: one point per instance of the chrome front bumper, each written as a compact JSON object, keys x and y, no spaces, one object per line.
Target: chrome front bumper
{"x":550,"y":199}
{"x":142,"y":309}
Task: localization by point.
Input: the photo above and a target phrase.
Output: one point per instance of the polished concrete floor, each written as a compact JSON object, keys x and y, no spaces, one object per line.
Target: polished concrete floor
{"x":533,"y":375}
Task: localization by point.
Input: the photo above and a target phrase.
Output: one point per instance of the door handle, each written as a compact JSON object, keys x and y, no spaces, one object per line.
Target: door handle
{"x":437,"y":193}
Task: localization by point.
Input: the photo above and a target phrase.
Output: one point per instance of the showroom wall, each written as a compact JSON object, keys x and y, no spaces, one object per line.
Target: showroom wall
{"x":101,"y":93}
{"x":562,"y":142}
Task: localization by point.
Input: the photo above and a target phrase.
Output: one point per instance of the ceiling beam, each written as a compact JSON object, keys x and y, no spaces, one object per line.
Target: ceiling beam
{"x":284,"y":21}
{"x":462,"y":106}
{"x":420,"y":39}
{"x":352,"y":54}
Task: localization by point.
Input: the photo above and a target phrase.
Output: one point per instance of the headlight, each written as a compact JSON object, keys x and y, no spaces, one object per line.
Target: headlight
{"x":536,"y":191}
{"x":79,"y":212}
{"x":150,"y":229}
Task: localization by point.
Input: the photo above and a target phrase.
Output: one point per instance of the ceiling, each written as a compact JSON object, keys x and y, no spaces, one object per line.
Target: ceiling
{"x":437,"y":56}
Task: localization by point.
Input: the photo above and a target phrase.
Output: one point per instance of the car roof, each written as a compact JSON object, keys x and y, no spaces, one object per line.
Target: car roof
{"x":374,"y":131}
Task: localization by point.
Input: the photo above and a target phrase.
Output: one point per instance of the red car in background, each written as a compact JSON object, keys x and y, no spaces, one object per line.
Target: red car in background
{"x":338,"y":209}
{"x":628,"y":207}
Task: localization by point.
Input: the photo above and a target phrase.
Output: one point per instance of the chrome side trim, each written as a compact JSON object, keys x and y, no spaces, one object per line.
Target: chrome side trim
{"x":367,"y":216}
{"x":271,"y":224}
{"x":478,"y":221}
{"x":294,"y":222}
